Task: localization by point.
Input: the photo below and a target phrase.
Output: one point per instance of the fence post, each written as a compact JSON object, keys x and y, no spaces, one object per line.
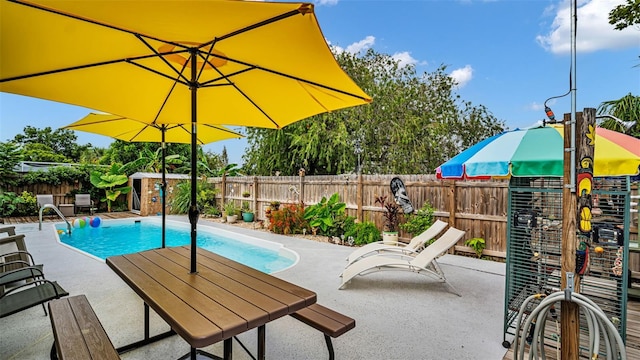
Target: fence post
{"x":223,"y":190}
{"x":301,"y":173}
{"x":255,"y":196}
{"x":359,"y":188}
{"x":452,"y":203}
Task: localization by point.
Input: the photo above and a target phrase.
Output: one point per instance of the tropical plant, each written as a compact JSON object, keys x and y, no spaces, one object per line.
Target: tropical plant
{"x":151,"y":161}
{"x":420,"y":221}
{"x":288,"y":220}
{"x":230,"y":208}
{"x":111,"y":182}
{"x":246,"y":208}
{"x":391,"y":213}
{"x":229,"y":170}
{"x":205,"y":197}
{"x":324,"y":214}
{"x":477,"y":244}
{"x":626,"y":109}
{"x":362,"y":233}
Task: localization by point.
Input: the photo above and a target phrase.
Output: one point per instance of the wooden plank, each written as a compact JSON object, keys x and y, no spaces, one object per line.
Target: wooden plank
{"x":77,"y":331}
{"x":219,"y":289}
{"x":570,"y":324}
{"x":96,"y":339}
{"x":197,"y":329}
{"x":268,"y":285}
{"x":328,"y":321}
{"x":66,"y":331}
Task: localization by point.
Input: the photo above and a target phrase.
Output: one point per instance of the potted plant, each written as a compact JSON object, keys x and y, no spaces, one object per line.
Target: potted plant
{"x":247,"y":214}
{"x":231,"y":211}
{"x":391,"y":219}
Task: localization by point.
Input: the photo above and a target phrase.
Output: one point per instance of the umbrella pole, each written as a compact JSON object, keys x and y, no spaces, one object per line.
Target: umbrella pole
{"x":193,"y":209}
{"x":164,"y":185}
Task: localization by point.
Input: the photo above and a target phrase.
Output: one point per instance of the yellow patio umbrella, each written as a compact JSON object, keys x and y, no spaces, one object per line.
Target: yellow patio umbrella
{"x":132,"y":130}
{"x":248,"y":63}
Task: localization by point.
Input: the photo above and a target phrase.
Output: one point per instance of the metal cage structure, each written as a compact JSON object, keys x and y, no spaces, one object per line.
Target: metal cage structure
{"x":534,"y":251}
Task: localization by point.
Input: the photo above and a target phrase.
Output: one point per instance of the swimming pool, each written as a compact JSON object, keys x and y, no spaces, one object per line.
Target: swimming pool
{"x":126,"y":236}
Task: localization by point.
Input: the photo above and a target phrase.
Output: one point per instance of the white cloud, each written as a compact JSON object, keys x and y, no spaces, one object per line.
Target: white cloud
{"x":326,"y":2}
{"x":462,"y":76}
{"x":535,"y":106}
{"x":361,"y":45}
{"x":404,"y":58}
{"x":593,"y":31}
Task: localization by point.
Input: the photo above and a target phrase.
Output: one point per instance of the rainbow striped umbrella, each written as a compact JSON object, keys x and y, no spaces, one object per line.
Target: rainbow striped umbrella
{"x":539,"y":152}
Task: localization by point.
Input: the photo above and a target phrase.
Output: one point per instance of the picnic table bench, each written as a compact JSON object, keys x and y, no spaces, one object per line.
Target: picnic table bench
{"x":330,"y":322}
{"x":77,"y":332}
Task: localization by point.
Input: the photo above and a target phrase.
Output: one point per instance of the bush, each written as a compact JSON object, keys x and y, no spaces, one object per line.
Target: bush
{"x":12,"y":204}
{"x":362,"y":233}
{"x":325,"y":214}
{"x":205,"y":197}
{"x":288,"y":220}
{"x":420,"y":221}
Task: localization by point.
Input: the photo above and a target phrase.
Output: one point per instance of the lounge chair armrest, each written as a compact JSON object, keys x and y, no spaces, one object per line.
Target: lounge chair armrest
{"x":17,"y":239}
{"x":10,"y":230}
{"x":16,"y":264}
{"x":36,"y":272}
{"x":31,"y":284}
{"x":19,"y":253}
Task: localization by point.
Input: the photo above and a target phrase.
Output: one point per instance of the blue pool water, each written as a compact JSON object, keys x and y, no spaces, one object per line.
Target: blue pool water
{"x":118,"y":237}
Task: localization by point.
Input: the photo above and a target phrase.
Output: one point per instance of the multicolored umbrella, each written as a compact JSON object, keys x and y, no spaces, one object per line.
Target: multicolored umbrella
{"x":539,"y":152}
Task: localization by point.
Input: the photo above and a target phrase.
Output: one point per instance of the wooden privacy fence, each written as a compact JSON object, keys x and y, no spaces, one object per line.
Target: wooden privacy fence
{"x":477,"y":207}
{"x":60,"y":192}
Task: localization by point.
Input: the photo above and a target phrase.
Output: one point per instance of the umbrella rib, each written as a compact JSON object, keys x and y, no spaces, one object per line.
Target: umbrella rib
{"x":161,"y":56}
{"x":257,"y":67}
{"x":302,"y":10}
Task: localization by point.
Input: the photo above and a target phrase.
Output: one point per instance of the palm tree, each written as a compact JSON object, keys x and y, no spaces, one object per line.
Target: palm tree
{"x":626,"y":108}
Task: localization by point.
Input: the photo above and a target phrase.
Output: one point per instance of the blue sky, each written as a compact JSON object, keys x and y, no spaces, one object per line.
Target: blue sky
{"x":508,"y":55}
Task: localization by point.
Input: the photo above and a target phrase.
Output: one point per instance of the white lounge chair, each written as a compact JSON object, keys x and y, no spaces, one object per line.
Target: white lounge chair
{"x":412,"y":247}
{"x":423,"y":263}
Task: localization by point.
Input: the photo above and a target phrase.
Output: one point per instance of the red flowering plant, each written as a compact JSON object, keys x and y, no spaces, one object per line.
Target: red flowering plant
{"x":288,"y":220}
{"x":391,"y":213}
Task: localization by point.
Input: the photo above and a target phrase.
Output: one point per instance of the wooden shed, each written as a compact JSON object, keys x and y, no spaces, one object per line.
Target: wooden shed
{"x":145,"y":197}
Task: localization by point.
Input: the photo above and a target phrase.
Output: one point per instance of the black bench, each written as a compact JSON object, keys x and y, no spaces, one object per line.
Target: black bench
{"x":331,"y":323}
{"x":77,"y":332}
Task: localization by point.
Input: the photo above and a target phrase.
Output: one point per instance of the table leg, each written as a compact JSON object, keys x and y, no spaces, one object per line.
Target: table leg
{"x":228,"y":351}
{"x":261,"y":342}
{"x":146,"y":321}
{"x":147,"y":339}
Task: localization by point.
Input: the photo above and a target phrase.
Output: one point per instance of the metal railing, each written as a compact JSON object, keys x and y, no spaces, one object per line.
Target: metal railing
{"x":51,"y":206}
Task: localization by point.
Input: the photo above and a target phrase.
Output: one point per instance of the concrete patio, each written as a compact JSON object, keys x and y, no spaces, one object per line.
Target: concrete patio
{"x":398,"y":315}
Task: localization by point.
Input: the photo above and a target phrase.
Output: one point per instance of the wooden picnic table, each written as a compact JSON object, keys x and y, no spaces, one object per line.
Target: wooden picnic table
{"x":222,"y":299}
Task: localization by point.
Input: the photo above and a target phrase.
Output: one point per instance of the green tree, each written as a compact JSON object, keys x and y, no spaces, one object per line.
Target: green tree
{"x":623,"y":16}
{"x":414,"y":124}
{"x":146,"y":156}
{"x":224,"y":157}
{"x":10,"y":156}
{"x":51,"y":144}
{"x":42,"y":152}
{"x":626,"y":108}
